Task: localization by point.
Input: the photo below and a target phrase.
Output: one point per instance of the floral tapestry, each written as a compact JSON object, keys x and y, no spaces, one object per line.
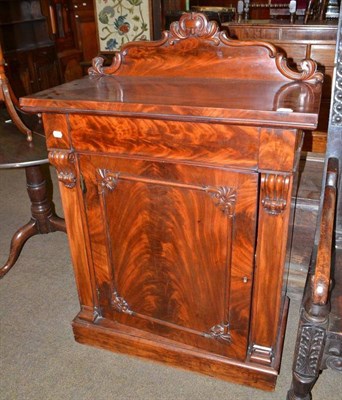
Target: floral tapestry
{"x":122,"y":21}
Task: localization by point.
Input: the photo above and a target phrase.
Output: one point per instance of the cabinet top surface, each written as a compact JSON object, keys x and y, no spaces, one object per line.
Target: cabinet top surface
{"x":256,"y":102}
{"x":194,"y":72}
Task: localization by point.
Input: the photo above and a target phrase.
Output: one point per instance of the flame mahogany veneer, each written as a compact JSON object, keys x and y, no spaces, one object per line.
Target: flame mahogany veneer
{"x":176,"y":168}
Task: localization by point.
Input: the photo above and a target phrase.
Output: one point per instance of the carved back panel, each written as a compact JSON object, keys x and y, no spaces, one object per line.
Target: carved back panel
{"x":209,"y":54}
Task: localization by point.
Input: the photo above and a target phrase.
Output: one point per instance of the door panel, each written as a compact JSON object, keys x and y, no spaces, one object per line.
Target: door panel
{"x":170,"y":249}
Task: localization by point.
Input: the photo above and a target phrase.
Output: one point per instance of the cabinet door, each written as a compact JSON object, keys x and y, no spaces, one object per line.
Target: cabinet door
{"x":172,"y":248}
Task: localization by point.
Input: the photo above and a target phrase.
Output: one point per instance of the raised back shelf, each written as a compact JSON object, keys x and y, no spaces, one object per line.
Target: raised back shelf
{"x":209,"y":53}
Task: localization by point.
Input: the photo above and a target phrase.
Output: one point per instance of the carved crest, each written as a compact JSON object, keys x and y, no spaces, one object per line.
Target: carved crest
{"x":64,"y":161}
{"x":274,"y":191}
{"x":194,"y":24}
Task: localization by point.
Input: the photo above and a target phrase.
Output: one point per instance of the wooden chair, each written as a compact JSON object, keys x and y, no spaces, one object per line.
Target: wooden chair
{"x":23,"y":147}
{"x":319,"y":340}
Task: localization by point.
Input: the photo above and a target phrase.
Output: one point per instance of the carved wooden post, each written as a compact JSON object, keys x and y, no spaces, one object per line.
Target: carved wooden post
{"x":309,"y":350}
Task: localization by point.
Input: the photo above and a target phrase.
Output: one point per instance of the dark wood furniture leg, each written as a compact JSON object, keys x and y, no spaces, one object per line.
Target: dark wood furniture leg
{"x":43,"y":218}
{"x":309,"y":352}
{"x":319,"y":340}
{"x":318,"y":346}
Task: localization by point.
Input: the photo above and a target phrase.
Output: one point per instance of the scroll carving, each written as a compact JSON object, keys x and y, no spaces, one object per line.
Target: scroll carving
{"x":219,"y":332}
{"x":274,"y":191}
{"x":120,"y":304}
{"x":308,"y":69}
{"x":310,"y":350}
{"x":64,"y":161}
{"x":97,"y":67}
{"x":224,"y":197}
{"x":196,"y":25}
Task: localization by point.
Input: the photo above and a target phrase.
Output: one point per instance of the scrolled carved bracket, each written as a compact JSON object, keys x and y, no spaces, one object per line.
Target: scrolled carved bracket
{"x":120,"y":304}
{"x":97,"y":68}
{"x":219,"y":332}
{"x":64,"y":161}
{"x":308,"y":70}
{"x":274,"y":192}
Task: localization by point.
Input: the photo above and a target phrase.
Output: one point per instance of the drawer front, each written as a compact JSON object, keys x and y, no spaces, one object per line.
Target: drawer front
{"x":194,"y":142}
{"x":172,"y":248}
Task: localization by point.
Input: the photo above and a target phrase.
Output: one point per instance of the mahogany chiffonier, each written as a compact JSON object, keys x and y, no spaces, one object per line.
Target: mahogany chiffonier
{"x":176,"y":167}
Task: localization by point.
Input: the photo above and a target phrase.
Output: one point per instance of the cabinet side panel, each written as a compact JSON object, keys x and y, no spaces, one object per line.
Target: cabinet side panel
{"x":76,"y":224}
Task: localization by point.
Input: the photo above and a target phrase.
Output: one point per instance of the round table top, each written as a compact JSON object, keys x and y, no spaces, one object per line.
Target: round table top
{"x":17,"y":152}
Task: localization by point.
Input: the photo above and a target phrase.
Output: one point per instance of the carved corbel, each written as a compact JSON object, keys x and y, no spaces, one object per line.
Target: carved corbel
{"x":274,"y":192}
{"x":64,"y":162}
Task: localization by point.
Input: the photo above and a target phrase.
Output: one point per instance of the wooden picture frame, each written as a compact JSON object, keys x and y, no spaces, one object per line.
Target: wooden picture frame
{"x":122,"y":21}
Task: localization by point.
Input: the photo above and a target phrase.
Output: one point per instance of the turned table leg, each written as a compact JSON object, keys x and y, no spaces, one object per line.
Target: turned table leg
{"x":43,"y":218}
